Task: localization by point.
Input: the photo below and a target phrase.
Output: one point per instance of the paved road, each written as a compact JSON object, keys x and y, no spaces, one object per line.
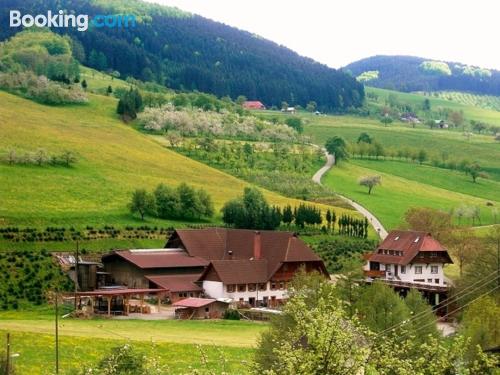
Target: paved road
{"x":377,"y":225}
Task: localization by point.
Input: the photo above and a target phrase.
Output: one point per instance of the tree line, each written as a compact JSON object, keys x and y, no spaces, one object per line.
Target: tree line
{"x":183,"y":202}
{"x":195,"y":53}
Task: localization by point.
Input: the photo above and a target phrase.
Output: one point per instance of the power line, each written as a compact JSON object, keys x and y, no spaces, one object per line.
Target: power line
{"x":450,"y":300}
{"x":452,"y":312}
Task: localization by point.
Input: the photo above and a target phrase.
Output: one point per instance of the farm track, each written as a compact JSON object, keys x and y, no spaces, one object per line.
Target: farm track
{"x":376,"y":224}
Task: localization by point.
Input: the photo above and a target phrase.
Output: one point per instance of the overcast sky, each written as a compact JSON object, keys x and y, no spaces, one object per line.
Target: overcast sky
{"x":337,"y":32}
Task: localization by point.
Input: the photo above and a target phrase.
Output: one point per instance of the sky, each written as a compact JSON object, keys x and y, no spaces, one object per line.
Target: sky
{"x":337,"y":32}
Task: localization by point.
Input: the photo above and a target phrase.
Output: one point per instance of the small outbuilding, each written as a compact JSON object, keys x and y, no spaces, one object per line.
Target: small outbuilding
{"x":253,"y":104}
{"x":200,"y":308}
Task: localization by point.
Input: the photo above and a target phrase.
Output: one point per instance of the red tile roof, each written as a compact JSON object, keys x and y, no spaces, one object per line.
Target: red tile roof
{"x":158,"y":258}
{"x":409,"y":243}
{"x":255,"y":104}
{"x":194,"y":302}
{"x":213,"y":244}
{"x":177,"y":283}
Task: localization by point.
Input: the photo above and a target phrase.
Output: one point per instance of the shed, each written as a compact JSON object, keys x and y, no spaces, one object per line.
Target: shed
{"x":200,"y":308}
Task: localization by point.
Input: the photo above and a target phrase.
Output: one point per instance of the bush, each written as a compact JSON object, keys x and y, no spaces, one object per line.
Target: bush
{"x":232,"y":314}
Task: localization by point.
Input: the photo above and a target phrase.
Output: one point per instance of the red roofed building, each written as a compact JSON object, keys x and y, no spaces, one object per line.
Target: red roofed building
{"x":409,"y":259}
{"x":180,"y":286}
{"x":254,"y":104}
{"x":200,"y":308}
{"x":132,"y":267}
{"x":249,"y":267}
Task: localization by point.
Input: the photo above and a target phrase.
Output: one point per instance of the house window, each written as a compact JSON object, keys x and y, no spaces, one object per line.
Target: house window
{"x":252,"y":287}
{"x":207,"y":309}
{"x":434,"y":269}
{"x":436,"y":281}
{"x":263,"y":286}
{"x":418,"y":280}
{"x":230,"y":288}
{"x":403,"y":269}
{"x":242,"y":287}
{"x":273,"y":285}
{"x":282,"y":285}
{"x":429,"y":280}
{"x":418,"y":269}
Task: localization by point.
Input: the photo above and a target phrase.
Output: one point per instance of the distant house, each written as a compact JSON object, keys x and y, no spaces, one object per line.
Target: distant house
{"x":410,"y":117}
{"x":255,"y":104}
{"x":410,"y":259}
{"x":200,"y":308}
{"x":441,"y":124}
{"x":288,"y":110}
{"x":249,"y":267}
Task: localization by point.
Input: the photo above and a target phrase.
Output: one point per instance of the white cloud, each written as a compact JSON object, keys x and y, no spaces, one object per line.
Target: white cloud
{"x":338,"y":32}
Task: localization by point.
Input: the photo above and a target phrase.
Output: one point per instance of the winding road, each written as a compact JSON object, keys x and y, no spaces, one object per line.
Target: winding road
{"x":376,"y":224}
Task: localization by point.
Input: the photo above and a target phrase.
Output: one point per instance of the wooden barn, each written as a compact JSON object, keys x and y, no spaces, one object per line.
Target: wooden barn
{"x":200,"y":308}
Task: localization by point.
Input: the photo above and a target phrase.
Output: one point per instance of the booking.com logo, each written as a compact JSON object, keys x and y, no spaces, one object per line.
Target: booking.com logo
{"x":81,"y":22}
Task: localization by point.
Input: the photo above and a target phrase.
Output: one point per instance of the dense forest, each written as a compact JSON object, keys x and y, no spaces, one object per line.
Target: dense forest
{"x":189,"y":52}
{"x":407,"y":73}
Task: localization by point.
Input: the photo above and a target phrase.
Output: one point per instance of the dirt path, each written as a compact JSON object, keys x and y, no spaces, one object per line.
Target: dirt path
{"x":376,"y":224}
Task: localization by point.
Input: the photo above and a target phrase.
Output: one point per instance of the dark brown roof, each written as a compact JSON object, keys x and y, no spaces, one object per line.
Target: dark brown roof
{"x":177,"y":283}
{"x":410,"y":243}
{"x":158,"y":258}
{"x":212,"y":244}
{"x":240,"y":271}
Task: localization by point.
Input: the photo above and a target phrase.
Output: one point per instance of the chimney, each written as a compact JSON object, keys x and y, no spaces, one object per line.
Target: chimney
{"x":257,"y":248}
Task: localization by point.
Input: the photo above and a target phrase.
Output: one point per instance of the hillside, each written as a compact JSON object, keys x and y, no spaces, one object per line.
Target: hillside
{"x":408,"y":73}
{"x":113,"y":159}
{"x":185,"y":51}
{"x":407,"y":184}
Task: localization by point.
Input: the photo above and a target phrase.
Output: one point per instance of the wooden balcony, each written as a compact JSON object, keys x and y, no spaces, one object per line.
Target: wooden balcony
{"x":374,"y":274}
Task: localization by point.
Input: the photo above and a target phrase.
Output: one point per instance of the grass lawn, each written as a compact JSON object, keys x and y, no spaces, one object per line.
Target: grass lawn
{"x":86,"y":341}
{"x":390,"y":201}
{"x":437,"y":177}
{"x":37,"y":353}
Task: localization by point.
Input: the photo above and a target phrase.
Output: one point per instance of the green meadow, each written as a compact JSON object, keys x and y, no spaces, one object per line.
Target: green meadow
{"x":84,"y":342}
{"x":471,"y":111}
{"x":389,"y":201}
{"x":113,"y":159}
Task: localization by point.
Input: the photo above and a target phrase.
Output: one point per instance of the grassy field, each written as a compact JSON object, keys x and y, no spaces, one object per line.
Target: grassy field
{"x":397,"y":194}
{"x":471,"y":111}
{"x":84,"y":342}
{"x":37,"y":354}
{"x":472,"y":100}
{"x":113,"y":160}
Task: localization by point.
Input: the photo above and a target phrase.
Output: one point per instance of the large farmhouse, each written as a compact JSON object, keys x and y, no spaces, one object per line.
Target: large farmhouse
{"x":410,"y":259}
{"x":249,"y":267}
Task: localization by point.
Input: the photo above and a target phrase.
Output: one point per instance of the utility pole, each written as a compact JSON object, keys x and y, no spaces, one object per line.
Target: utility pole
{"x":7,"y":361}
{"x":57,"y":331}
{"x":76,"y":272}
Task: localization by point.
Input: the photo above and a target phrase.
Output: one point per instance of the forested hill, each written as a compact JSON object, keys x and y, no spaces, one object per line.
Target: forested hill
{"x":189,"y":52}
{"x":408,"y":73}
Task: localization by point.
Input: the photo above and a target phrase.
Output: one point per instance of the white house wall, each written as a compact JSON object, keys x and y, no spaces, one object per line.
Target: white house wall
{"x":216,"y":289}
{"x":410,"y":275}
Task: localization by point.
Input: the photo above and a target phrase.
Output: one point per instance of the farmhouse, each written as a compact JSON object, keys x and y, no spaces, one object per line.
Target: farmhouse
{"x":255,"y":104}
{"x":250,"y":267}
{"x":410,"y":259}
